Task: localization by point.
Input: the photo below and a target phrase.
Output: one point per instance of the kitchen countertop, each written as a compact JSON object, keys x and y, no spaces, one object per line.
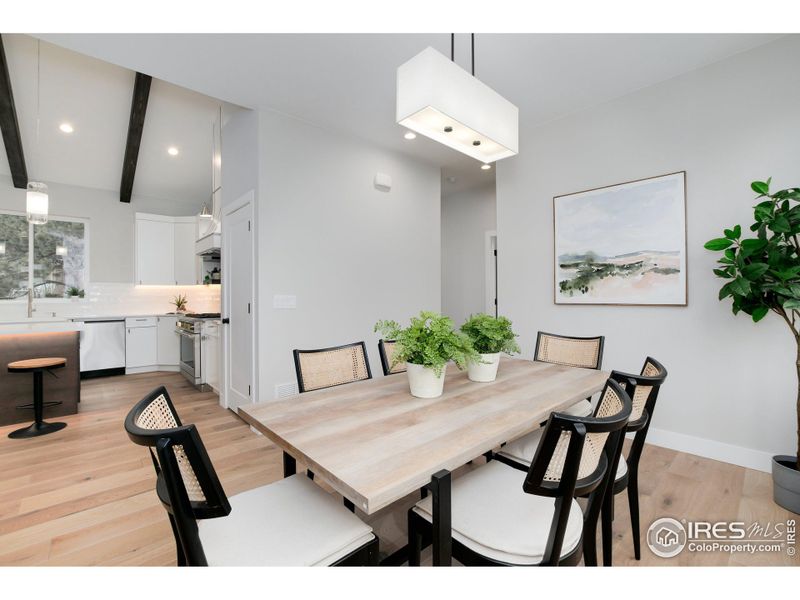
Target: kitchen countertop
{"x":120,"y":317}
{"x":39,"y":325}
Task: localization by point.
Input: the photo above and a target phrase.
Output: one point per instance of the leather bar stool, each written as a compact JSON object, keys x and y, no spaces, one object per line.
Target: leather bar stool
{"x":37,"y":366}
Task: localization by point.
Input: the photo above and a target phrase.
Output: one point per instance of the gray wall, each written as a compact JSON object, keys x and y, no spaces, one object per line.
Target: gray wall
{"x":350,"y":253}
{"x":731,"y":390}
{"x":466,"y":218}
{"x":111,"y":222}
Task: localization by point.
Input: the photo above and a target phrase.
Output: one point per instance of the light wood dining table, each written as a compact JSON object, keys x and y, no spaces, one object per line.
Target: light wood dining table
{"x":375,"y":443}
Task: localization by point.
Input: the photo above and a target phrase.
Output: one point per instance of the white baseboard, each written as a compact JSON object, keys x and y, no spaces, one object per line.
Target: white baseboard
{"x":735,"y":455}
{"x":152,"y":369}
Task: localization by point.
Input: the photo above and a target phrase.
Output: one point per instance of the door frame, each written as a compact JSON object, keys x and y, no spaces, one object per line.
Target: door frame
{"x":241,"y":202}
{"x":490,"y":273}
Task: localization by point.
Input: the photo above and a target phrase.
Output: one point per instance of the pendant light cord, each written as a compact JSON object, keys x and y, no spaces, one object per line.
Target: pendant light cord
{"x":453,"y":49}
{"x":473,"y":54}
{"x":38,"y":97}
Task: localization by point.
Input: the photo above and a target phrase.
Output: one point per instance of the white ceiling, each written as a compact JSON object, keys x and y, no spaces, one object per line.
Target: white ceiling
{"x":346,"y":82}
{"x":95,"y":97}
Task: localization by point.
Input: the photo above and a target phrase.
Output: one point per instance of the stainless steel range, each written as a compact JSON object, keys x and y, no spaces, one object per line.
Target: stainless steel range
{"x":189,"y":326}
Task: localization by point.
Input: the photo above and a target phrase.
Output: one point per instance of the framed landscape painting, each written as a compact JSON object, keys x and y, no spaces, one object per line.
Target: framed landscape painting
{"x":622,"y":244}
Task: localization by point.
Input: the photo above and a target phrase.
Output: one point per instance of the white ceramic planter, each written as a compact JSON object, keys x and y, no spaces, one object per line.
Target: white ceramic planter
{"x":423,"y":381}
{"x":486,"y":370}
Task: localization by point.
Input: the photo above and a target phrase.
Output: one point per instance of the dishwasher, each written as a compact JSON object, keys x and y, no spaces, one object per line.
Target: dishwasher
{"x":102,"y":347}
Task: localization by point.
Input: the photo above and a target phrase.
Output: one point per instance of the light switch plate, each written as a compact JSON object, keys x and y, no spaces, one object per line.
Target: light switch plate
{"x":284,"y":301}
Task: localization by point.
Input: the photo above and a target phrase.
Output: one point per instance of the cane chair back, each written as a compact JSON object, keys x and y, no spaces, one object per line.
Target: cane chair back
{"x":386,"y":349}
{"x":614,"y":403}
{"x":154,"y":418}
{"x":642,"y":388}
{"x":329,"y":367}
{"x":586,"y":352}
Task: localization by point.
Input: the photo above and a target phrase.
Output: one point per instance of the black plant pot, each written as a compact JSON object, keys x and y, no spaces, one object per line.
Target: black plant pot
{"x":786,"y":482}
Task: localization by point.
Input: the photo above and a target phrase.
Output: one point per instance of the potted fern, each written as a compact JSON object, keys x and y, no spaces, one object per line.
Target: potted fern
{"x":426,"y":346}
{"x":490,"y":336}
{"x":762,"y":276}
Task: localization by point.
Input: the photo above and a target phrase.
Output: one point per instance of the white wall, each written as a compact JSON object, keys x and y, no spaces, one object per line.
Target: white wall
{"x":466,"y":218}
{"x":731,"y":389}
{"x":240,"y":151}
{"x":111,"y":222}
{"x":350,"y":253}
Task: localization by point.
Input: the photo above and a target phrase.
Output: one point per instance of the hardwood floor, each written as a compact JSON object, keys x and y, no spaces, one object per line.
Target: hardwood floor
{"x":85,"y":496}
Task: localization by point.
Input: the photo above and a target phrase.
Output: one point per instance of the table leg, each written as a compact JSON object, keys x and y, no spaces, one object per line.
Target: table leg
{"x":289,"y":465}
{"x":442,"y":521}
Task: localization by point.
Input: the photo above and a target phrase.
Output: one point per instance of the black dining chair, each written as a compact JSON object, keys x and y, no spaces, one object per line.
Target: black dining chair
{"x":386,"y":350}
{"x":289,"y":522}
{"x":329,"y":367}
{"x":643,"y":390}
{"x":500,"y":517}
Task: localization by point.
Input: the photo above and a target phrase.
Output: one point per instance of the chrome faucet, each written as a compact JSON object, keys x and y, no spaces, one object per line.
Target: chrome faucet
{"x":30,"y":302}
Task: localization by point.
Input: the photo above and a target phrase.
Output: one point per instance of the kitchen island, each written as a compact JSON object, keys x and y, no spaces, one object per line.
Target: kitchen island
{"x":39,"y":338}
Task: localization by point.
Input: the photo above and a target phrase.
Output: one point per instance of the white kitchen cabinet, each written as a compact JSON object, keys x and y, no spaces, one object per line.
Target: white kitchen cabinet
{"x":155,"y":252}
{"x":168,"y":346}
{"x":211,"y":353}
{"x":185,"y":260}
{"x":141,"y":343}
{"x":165,"y":253}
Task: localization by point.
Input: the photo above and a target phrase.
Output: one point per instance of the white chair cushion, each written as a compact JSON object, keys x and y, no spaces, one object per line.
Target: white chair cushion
{"x":622,"y":468}
{"x":495,"y":518}
{"x":290,"y":522}
{"x":522,"y":450}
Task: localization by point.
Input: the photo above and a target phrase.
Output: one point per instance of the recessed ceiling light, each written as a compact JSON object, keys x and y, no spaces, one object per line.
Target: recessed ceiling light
{"x":66,"y":128}
{"x":486,"y":167}
{"x":410,"y":135}
{"x":172,"y":151}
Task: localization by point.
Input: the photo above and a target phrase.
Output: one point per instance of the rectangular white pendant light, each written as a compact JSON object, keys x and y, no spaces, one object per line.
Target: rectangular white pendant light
{"x":440,"y":100}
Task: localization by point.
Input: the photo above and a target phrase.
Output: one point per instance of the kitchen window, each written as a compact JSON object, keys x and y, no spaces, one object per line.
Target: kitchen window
{"x":51,"y":258}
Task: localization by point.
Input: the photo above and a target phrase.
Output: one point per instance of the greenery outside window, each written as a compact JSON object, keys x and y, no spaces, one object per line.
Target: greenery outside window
{"x":49,"y":258}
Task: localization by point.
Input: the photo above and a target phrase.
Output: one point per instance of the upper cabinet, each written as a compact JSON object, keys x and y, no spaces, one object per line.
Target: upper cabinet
{"x":165,"y":250}
{"x":185,"y":258}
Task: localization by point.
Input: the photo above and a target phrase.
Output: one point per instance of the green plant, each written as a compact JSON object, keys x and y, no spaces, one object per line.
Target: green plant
{"x":490,"y":335}
{"x":430,"y":340}
{"x":763,"y":272}
{"x":74,"y":291}
{"x":180,"y":302}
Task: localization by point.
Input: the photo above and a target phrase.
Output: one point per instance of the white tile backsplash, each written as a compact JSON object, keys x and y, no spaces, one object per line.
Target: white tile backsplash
{"x":117,"y":299}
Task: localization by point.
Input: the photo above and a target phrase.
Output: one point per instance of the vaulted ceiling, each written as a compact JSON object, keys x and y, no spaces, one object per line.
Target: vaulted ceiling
{"x":94,"y":97}
{"x":345,"y":82}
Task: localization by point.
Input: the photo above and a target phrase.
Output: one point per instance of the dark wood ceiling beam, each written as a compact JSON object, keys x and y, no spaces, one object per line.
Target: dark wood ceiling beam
{"x":141,"y":93}
{"x":10,"y":125}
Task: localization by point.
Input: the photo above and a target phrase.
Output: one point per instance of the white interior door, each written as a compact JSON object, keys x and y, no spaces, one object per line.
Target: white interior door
{"x":490,"y":270}
{"x":238,"y":285}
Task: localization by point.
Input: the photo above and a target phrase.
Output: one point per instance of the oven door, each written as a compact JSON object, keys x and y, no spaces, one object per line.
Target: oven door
{"x":190,"y":354}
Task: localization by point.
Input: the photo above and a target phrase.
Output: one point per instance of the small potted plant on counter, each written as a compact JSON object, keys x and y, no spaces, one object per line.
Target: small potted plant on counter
{"x":762,"y":276}
{"x":490,"y":336}
{"x":426,"y":346}
{"x":74,"y":293}
{"x":180,"y":302}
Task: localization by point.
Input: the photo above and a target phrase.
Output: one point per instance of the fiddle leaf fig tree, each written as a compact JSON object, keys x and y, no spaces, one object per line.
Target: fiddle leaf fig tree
{"x":762,"y":270}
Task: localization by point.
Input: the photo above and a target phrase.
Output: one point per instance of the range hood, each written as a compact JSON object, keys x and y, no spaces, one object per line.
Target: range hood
{"x":208,"y":245}
{"x":209,"y":239}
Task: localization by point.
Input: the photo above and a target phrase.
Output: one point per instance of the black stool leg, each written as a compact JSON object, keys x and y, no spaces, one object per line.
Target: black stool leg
{"x":40,"y":427}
